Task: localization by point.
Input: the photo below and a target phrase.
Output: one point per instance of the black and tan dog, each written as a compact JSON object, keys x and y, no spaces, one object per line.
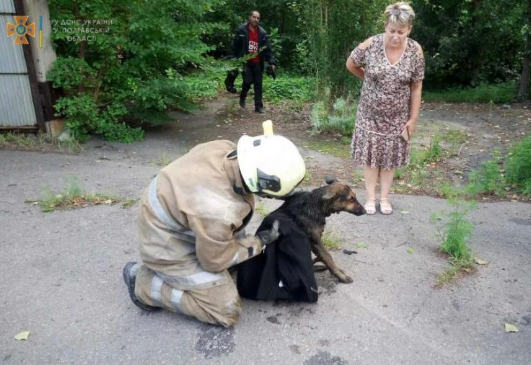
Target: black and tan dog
{"x":309,"y":210}
{"x":285,"y":270}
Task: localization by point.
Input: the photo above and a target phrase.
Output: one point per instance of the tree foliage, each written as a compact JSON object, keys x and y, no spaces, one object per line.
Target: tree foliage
{"x":160,"y":54}
{"x":134,"y":68}
{"x":470,"y":42}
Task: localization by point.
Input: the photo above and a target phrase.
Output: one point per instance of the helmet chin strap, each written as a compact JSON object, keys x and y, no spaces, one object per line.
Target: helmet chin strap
{"x":244,"y":189}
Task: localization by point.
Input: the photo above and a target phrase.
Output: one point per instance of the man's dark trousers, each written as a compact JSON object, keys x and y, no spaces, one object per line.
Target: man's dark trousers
{"x":253,"y":75}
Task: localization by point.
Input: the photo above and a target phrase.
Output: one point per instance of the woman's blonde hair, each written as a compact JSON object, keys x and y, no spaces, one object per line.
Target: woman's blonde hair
{"x":399,"y":13}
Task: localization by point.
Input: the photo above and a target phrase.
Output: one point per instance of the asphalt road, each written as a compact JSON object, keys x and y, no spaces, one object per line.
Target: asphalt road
{"x":60,"y":279}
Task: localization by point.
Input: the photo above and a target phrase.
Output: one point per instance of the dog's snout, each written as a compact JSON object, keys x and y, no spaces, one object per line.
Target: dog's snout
{"x":359,"y":210}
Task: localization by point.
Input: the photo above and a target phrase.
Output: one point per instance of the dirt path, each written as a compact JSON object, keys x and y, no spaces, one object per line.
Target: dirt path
{"x":468,"y":135}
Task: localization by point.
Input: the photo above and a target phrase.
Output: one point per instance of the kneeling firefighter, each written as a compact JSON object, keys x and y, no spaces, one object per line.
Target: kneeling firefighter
{"x":192,"y":220}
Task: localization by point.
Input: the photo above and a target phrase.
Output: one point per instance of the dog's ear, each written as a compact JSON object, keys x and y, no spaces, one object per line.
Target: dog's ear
{"x":331,"y":192}
{"x":330,"y":180}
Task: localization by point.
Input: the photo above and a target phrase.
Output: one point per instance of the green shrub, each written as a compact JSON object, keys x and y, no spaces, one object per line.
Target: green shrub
{"x":288,"y":87}
{"x":134,"y":69}
{"x":488,"y":178}
{"x":434,"y":152}
{"x":454,"y":232}
{"x":341,"y":118}
{"x":84,"y":118}
{"x":496,"y":93}
{"x":518,"y":165}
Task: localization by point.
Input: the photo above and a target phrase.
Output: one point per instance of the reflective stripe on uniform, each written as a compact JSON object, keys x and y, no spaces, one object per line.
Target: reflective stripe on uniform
{"x":156,"y":290}
{"x":176,"y":296}
{"x":199,"y":278}
{"x":181,"y":231}
{"x":235,"y":260}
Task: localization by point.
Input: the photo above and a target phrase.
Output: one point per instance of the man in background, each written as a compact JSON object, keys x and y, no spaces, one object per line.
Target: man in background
{"x":251,"y":42}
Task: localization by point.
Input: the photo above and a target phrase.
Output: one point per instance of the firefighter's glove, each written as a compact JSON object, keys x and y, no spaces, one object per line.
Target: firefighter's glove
{"x":271,"y":235}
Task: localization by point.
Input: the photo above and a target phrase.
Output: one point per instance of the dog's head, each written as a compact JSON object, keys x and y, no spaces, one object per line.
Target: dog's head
{"x":341,"y":198}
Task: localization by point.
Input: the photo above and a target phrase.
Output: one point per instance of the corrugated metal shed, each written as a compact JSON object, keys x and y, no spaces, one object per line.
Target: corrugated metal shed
{"x":7,"y":6}
{"x":12,"y":55}
{"x":16,"y":101}
{"x":16,"y":104}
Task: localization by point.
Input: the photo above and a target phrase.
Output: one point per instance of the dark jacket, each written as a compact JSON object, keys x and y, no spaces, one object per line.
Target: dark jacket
{"x":287,"y":260}
{"x":240,"y":45}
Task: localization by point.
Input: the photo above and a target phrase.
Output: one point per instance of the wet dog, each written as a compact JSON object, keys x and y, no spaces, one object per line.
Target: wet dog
{"x":309,"y":210}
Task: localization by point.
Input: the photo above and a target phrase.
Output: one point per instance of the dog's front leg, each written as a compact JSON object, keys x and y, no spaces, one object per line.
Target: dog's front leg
{"x":324,"y":256}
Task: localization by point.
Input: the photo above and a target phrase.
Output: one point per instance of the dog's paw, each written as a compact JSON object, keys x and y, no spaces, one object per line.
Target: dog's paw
{"x":344,"y":278}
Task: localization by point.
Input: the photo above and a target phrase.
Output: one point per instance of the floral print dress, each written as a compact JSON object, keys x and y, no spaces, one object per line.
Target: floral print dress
{"x":384,"y":105}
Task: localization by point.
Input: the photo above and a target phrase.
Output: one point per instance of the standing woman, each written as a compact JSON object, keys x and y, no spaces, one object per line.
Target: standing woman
{"x":391,"y":66}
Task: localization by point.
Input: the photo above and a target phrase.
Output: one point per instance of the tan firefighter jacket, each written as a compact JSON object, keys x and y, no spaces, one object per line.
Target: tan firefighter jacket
{"x":192,"y":218}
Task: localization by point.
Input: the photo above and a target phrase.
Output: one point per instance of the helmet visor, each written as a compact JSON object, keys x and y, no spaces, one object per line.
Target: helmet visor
{"x":268,"y":182}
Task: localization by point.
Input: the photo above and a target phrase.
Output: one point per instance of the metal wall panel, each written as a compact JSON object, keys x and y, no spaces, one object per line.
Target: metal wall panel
{"x":7,"y":6}
{"x":11,"y":55}
{"x":16,"y":103}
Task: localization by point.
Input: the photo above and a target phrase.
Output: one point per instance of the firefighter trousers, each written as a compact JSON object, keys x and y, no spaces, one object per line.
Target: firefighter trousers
{"x":219,"y":304}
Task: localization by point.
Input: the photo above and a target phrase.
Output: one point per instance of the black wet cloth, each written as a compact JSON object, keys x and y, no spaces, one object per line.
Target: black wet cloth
{"x":287,"y":260}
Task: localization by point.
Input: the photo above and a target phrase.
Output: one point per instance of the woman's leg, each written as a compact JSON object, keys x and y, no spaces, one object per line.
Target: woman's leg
{"x":370,"y":176}
{"x":386,"y":181}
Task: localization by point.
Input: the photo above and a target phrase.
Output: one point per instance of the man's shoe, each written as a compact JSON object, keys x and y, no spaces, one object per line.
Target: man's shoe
{"x":259,"y":110}
{"x":242,"y":103}
{"x":129,"y":275}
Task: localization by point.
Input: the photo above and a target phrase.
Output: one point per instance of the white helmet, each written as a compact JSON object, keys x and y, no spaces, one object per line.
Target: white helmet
{"x":270,"y":164}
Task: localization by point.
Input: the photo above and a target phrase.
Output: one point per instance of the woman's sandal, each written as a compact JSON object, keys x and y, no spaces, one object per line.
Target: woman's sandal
{"x":385,"y":207}
{"x":370,"y":207}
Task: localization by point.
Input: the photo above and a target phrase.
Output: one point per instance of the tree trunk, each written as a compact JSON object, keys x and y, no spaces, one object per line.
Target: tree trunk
{"x":523,"y":90}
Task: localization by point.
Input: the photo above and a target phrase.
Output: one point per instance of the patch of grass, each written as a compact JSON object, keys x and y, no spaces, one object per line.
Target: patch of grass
{"x":341,"y":118}
{"x":39,"y":141}
{"x":488,"y":178}
{"x":416,"y":178}
{"x":128,"y":203}
{"x":400,"y":173}
{"x":232,"y":106}
{"x":518,"y":165}
{"x":295,"y":106}
{"x":495,"y":93}
{"x":455,"y":138}
{"x":163,"y":161}
{"x":448,"y":191}
{"x":331,"y":240}
{"x":261,"y":209}
{"x":72,"y":196}
{"x":336,"y":149}
{"x":454,"y":232}
{"x":357,"y":176}
{"x":433,"y":154}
